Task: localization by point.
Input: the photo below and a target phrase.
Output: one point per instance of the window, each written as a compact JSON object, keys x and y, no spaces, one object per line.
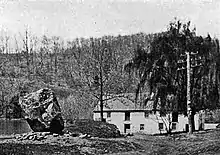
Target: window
{"x":127,"y":116}
{"x":146,"y":114}
{"x":173,"y":126}
{"x":127,"y":128}
{"x":160,"y":126}
{"x":108,"y":114}
{"x":141,"y":126}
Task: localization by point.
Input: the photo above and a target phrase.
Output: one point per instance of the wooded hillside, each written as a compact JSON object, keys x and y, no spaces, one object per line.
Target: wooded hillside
{"x":70,"y":68}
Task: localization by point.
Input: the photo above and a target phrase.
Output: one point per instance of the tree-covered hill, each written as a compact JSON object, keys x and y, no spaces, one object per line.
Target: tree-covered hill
{"x":71,"y":68}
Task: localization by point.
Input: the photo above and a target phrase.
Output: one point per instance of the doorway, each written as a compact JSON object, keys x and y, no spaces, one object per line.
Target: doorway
{"x":127,"y":128}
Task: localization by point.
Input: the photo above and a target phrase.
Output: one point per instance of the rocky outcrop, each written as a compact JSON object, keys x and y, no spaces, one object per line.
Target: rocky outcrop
{"x":42,"y":111}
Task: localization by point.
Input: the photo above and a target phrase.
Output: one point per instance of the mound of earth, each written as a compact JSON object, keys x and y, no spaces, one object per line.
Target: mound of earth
{"x":93,"y":128}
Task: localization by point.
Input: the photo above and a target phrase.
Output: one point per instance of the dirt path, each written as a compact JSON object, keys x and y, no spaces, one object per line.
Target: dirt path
{"x":65,"y":145}
{"x":205,"y":143}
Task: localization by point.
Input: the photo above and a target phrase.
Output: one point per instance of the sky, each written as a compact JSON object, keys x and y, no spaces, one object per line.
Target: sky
{"x":85,"y":18}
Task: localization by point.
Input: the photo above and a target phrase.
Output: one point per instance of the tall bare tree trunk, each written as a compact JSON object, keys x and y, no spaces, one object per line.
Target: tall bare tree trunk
{"x":101,"y":89}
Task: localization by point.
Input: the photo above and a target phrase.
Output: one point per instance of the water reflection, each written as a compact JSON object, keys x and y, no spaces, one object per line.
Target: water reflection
{"x":16,"y":126}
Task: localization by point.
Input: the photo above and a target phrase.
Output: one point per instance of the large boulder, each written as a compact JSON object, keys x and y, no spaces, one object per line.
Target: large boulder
{"x":42,"y":111}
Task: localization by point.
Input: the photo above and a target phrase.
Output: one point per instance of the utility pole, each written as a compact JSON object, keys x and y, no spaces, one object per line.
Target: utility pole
{"x":189,"y":107}
{"x":189,"y":68}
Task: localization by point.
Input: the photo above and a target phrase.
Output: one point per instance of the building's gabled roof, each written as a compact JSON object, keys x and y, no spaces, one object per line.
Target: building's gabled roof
{"x":122,"y":102}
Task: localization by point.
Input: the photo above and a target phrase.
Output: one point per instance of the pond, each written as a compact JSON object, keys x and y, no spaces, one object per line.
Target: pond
{"x":16,"y":126}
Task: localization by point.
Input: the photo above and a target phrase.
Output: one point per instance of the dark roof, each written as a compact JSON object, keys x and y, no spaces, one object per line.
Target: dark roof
{"x":123,"y":102}
{"x":128,"y":110}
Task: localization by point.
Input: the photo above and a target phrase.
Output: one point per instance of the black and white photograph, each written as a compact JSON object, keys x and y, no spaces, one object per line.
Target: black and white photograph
{"x":109,"y":77}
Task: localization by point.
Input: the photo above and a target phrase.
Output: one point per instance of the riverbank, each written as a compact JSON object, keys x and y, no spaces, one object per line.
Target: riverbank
{"x":203,"y":142}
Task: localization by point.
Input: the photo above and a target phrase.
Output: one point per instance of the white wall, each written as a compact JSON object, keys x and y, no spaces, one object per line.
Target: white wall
{"x":150,"y":123}
{"x":210,"y":125}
